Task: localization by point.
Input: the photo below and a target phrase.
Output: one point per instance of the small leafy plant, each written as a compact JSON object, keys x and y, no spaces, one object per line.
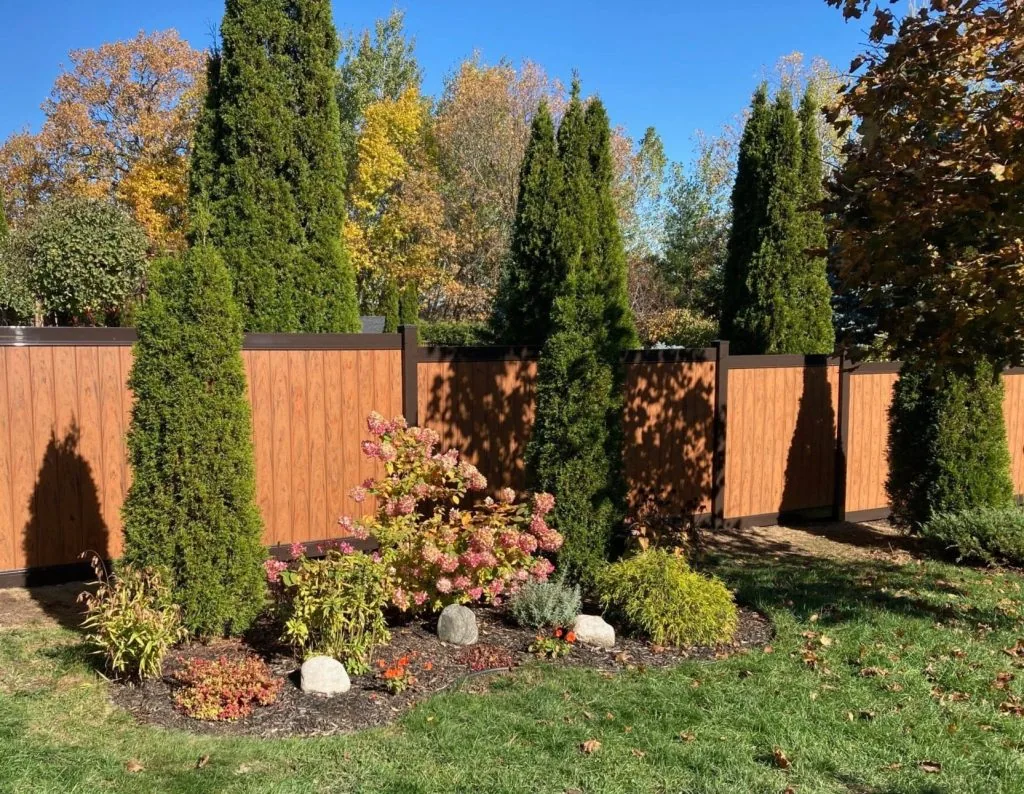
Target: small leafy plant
{"x":334,"y":606}
{"x":486,"y":657}
{"x":447,"y":547}
{"x":225,"y":689}
{"x":552,"y":646}
{"x":656,"y":592}
{"x":540,"y":604}
{"x":396,"y":674}
{"x":130,"y":620}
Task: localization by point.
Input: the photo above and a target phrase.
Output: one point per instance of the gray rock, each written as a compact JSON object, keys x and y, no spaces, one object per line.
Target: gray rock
{"x":593,"y":630}
{"x":457,"y":625}
{"x":324,"y":676}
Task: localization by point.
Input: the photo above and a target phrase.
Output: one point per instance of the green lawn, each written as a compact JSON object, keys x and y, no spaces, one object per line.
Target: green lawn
{"x":876,"y":668}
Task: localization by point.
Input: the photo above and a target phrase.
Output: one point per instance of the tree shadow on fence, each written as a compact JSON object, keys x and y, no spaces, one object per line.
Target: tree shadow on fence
{"x":809,"y":486}
{"x":65,"y":520}
{"x":669,"y":439}
{"x":484,"y":409}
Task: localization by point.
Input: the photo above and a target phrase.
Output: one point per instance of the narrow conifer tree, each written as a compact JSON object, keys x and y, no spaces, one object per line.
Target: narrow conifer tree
{"x":572,"y":450}
{"x":522,"y":307}
{"x":4,"y":229}
{"x":409,"y":305}
{"x":267,"y":169}
{"x":191,"y":508}
{"x":749,"y":206}
{"x":818,"y":333}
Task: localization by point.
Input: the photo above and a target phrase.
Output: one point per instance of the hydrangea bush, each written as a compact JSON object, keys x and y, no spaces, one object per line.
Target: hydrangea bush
{"x":446,"y":544}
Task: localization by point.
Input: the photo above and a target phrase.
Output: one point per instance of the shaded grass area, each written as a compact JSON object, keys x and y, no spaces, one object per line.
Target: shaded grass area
{"x":876,"y":668}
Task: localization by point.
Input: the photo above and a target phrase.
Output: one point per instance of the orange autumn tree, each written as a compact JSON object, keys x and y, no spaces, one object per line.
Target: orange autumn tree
{"x":118,"y":123}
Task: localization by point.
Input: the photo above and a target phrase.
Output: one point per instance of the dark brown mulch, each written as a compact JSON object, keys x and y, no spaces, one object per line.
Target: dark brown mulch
{"x":368,"y":704}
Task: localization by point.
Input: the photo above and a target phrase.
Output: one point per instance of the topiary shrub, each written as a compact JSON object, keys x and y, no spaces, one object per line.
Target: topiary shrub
{"x":655,"y":592}
{"x":947,"y":444}
{"x":85,"y":260}
{"x":986,"y":534}
{"x":191,"y":509}
{"x":540,"y":604}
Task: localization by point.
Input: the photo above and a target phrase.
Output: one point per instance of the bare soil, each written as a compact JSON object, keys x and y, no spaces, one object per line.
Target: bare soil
{"x":436,"y":666}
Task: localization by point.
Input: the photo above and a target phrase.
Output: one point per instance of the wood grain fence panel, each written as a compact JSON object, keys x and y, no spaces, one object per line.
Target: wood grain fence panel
{"x":318,"y":523}
{"x":781,"y":439}
{"x":299,"y":452}
{"x":112,"y":432}
{"x":43,"y":538}
{"x":24,"y":467}
{"x":8,"y":533}
{"x":668,"y":425}
{"x":867,"y":463}
{"x":281,"y":430}
{"x":1013,"y":412}
{"x":352,"y":427}
{"x":95,"y":532}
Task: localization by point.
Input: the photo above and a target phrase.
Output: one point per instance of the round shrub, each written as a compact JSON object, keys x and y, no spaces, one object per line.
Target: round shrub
{"x":85,"y":260}
{"x":539,"y":604}
{"x":988,"y":534}
{"x":655,"y":592}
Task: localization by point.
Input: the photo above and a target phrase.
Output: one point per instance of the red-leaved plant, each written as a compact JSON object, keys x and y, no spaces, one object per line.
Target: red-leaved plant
{"x":225,"y":689}
{"x":444,"y":549}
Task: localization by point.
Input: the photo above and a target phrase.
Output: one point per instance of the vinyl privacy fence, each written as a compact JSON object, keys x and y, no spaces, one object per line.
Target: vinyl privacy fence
{"x":732,"y":439}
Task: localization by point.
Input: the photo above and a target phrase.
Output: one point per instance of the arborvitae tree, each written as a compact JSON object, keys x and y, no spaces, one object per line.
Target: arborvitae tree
{"x":818,"y":334}
{"x":522,"y":307}
{"x":3,"y":218}
{"x":389,"y":306}
{"x":409,"y":305}
{"x":568,"y":453}
{"x":947,"y":442}
{"x":191,"y":507}
{"x":749,"y":207}
{"x":268,"y":175}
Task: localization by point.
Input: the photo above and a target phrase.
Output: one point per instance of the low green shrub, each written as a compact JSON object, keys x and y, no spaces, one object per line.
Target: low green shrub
{"x":334,"y":606}
{"x":130,"y":620}
{"x":539,"y":604}
{"x":225,"y":689}
{"x":656,"y":592}
{"x":987,"y":534}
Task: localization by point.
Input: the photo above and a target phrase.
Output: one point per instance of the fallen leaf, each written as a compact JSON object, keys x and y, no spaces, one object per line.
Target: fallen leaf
{"x":931,"y":767}
{"x":780,"y":759}
{"x":768,"y":649}
{"x":1002,"y":680}
{"x":637,"y":753}
{"x":893,"y":766}
{"x":588,"y":715}
{"x":244,"y":769}
{"x":203,"y":761}
{"x":133,"y":766}
{"x":825,"y":641}
{"x":694,"y":684}
{"x":813,"y":618}
{"x":864,"y":714}
{"x":686,"y":736}
{"x":590,"y":746}
{"x":609,"y":716}
{"x":873,"y":672}
{"x":627,"y":729}
{"x":745,"y":674}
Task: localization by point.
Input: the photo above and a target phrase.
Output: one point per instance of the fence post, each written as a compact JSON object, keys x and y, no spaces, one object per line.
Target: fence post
{"x":718,"y":452}
{"x":410,"y":379}
{"x":842,"y":438}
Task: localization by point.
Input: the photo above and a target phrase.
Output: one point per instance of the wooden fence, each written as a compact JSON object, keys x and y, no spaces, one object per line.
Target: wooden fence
{"x":737,"y":439}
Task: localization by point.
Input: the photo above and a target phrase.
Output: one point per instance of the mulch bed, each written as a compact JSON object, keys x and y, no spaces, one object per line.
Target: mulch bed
{"x":368,"y":703}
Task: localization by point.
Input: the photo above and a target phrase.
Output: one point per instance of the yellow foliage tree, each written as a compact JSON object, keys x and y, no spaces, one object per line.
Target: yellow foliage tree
{"x":395,"y":229}
{"x":118,"y":125}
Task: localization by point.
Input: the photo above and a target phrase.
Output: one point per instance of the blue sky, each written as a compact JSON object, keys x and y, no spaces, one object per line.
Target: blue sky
{"x":680,"y":66}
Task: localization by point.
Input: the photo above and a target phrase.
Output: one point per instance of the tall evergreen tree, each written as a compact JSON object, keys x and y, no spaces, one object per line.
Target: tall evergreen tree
{"x":267,"y":169}
{"x":191,"y":508}
{"x":3,"y":218}
{"x":409,"y":305}
{"x":574,"y":451}
{"x":819,"y":333}
{"x":749,"y":204}
{"x":522,"y":307}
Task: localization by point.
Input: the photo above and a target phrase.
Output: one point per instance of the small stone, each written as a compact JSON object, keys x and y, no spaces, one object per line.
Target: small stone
{"x":324,"y":676}
{"x":593,"y":630}
{"x":457,"y":625}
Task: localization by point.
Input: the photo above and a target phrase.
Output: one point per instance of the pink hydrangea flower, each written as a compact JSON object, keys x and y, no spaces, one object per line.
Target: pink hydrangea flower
{"x":371,"y":448}
{"x":543,"y":503}
{"x":506,"y":496}
{"x":358,"y":494}
{"x":448,"y":563}
{"x":346,"y":548}
{"x":273,"y":569}
{"x":444,"y":585}
{"x":387,"y":451}
{"x":377,"y":425}
{"x":528,"y":543}
{"x":297,"y":550}
{"x":541,"y":569}
{"x":420,"y":598}
{"x":463,"y":582}
{"x":550,"y":541}
{"x":401,"y":598}
{"x":475,"y":593}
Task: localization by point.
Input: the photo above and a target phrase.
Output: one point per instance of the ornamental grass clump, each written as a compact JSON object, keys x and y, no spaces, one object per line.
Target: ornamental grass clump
{"x":446,"y":545}
{"x":130,"y":620}
{"x":656,"y":593}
